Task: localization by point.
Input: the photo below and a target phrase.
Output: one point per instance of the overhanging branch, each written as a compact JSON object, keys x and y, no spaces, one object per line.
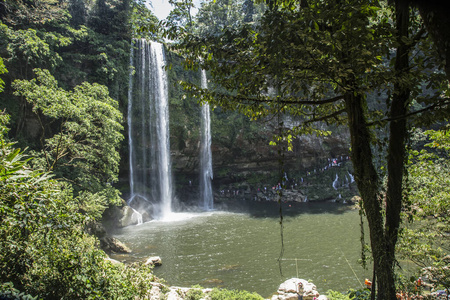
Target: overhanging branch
{"x":445,"y":102}
{"x":287,"y":101}
{"x":324,"y":118}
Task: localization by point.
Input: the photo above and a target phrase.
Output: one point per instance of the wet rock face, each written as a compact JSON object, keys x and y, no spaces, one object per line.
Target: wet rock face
{"x":255,"y":162}
{"x":246,"y":153}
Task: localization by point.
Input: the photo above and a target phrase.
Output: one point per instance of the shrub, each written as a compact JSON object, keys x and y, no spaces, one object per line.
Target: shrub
{"x":195,"y":293}
{"x":8,"y":292}
{"x":333,"y":295}
{"x":44,"y":250}
{"x":361,"y":294}
{"x":223,"y":294}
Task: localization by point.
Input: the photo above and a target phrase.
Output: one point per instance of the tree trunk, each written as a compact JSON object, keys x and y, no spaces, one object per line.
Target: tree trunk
{"x":366,"y":178}
{"x":397,"y":134}
{"x":383,"y":232}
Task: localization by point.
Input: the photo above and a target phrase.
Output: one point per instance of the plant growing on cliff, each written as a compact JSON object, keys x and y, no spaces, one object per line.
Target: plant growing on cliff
{"x":2,"y":71}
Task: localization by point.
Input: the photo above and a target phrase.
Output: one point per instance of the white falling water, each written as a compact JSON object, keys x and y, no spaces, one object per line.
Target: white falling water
{"x":352,"y":178}
{"x":148,"y":128}
{"x":161,"y":102}
{"x":335,"y":182}
{"x":136,"y":217}
{"x":130,"y":137}
{"x":206,"y":172}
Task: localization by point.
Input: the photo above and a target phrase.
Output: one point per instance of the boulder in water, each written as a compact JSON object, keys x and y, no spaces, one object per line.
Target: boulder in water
{"x":129,"y":217}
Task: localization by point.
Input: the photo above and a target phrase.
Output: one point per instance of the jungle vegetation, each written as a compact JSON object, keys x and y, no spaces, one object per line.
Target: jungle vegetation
{"x":379,"y":69}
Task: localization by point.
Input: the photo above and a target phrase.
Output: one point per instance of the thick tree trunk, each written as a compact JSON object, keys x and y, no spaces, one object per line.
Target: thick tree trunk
{"x":366,"y":178}
{"x":397,"y":134}
{"x":383,"y":231}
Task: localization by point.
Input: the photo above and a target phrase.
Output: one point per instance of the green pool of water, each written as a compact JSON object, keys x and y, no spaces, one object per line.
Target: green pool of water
{"x":241,"y":249}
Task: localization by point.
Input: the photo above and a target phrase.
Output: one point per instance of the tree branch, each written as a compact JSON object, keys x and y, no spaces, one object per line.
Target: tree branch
{"x":286,"y":101}
{"x":425,"y":109}
{"x":324,"y":118}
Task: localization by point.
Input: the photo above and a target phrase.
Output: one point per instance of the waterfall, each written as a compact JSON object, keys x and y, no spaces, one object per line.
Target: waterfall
{"x":130,"y":137}
{"x":206,"y":172}
{"x":148,"y":128}
{"x":136,"y":217}
{"x":352,"y":178}
{"x":335,"y":182}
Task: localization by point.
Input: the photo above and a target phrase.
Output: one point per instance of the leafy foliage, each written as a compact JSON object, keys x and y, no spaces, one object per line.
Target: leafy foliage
{"x":23,"y":13}
{"x":2,"y":71}
{"x":195,"y":293}
{"x":214,"y":16}
{"x":84,"y":149}
{"x":144,"y":24}
{"x":361,"y":294}
{"x":7,"y":292}
{"x":425,"y":241}
{"x":44,"y":250}
{"x":223,"y":294}
{"x":44,"y":38}
{"x":181,"y":13}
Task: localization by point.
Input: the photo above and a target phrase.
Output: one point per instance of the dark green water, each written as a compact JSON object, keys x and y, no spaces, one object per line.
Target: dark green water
{"x":240,"y":249}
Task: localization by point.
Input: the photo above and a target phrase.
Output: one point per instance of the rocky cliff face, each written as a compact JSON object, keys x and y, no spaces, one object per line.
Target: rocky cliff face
{"x":251,"y":163}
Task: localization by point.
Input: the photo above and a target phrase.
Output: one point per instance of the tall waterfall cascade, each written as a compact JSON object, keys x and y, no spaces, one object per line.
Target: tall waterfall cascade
{"x":148,"y":128}
{"x":206,"y":171}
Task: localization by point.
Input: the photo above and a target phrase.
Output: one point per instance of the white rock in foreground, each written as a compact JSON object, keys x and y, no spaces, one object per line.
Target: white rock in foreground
{"x":289,"y":290}
{"x":154,"y":260}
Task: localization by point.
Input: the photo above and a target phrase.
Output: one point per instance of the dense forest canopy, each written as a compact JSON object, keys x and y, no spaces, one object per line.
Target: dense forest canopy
{"x":64,"y":84}
{"x":377,"y":68}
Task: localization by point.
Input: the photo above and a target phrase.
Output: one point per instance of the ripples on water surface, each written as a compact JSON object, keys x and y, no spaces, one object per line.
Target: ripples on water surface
{"x":240,"y":250}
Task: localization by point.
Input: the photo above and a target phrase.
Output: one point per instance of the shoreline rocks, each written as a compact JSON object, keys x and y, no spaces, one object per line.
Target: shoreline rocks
{"x":112,"y":245}
{"x":288,"y":290}
{"x":291,"y":289}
